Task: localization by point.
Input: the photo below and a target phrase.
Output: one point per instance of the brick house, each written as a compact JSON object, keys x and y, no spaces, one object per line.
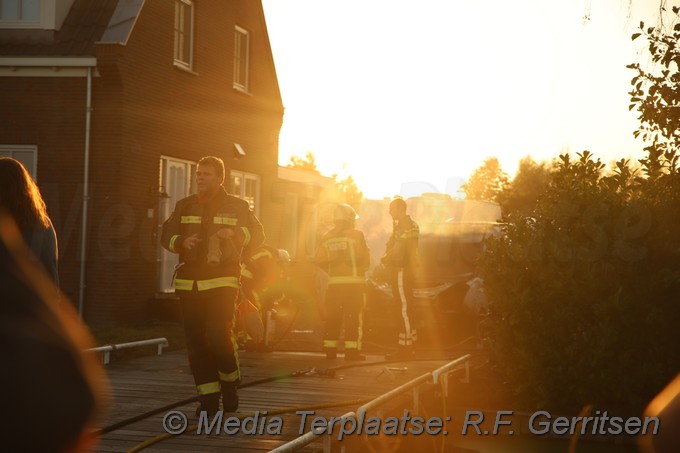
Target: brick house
{"x":110,"y":103}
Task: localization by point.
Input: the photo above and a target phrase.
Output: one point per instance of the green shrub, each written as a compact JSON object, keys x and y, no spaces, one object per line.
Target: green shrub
{"x":585,"y":294}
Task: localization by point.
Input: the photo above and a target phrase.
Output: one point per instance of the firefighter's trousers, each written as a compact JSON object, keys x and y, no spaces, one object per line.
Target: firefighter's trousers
{"x":208,"y":326}
{"x":401,"y":282}
{"x":344,"y":306}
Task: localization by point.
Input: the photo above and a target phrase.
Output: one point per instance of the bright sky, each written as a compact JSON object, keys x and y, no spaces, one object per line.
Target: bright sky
{"x":411,"y":97}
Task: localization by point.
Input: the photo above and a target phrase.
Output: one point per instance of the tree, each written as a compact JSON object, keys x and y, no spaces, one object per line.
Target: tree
{"x":656,"y":94}
{"x":348,"y":190}
{"x":486,"y":182}
{"x":307,"y":163}
{"x":583,"y":298}
{"x":522,"y":193}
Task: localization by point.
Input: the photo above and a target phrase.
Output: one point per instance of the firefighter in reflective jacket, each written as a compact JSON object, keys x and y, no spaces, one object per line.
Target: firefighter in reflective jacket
{"x":343,"y":254}
{"x":209,"y":231}
{"x":401,"y":260}
{"x":260,"y":272}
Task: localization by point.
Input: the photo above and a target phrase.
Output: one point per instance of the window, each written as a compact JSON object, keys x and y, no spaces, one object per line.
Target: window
{"x":184,"y":33}
{"x":26,"y":154}
{"x":20,"y":10}
{"x":177,"y":179}
{"x":246,"y":186}
{"x":241,"y":47}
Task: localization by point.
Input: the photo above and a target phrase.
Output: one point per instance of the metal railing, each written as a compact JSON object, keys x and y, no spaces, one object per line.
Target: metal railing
{"x":107,"y":349}
{"x":438,"y":376}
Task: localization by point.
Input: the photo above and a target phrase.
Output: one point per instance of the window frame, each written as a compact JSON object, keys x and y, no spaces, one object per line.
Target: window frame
{"x":11,"y":149}
{"x":166,"y":260}
{"x":24,"y":23}
{"x":241,"y":33}
{"x":246,"y":176}
{"x":180,"y":57}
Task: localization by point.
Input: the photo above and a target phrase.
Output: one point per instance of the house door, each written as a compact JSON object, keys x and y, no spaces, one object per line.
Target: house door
{"x":177,"y":180}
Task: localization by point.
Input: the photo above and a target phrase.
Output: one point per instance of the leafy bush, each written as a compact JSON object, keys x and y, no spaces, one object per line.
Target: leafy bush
{"x":585,"y":293}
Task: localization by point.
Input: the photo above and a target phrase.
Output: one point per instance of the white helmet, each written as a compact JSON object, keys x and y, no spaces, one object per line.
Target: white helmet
{"x":345,"y":212}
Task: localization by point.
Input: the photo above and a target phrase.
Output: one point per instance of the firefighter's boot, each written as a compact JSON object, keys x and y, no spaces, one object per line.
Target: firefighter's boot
{"x":229,"y":396}
{"x":209,"y":404}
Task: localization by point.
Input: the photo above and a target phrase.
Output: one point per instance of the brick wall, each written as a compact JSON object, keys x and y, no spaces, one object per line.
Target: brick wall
{"x":50,"y":112}
{"x":146,"y":108}
{"x":143,"y":107}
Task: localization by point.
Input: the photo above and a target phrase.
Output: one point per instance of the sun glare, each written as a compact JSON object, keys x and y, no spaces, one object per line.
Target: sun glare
{"x":407,"y":99}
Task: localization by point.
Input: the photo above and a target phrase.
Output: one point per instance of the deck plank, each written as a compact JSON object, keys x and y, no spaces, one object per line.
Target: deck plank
{"x":146,"y":383}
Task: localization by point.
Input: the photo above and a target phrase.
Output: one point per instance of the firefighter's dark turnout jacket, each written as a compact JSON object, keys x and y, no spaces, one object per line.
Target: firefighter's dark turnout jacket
{"x":205,"y":219}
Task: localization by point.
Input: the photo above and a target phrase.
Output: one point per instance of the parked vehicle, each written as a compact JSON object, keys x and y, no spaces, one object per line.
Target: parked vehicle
{"x":447,"y":260}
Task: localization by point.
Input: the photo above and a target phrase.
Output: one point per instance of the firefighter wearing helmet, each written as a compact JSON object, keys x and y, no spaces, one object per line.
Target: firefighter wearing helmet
{"x":343,"y":254}
{"x":401,"y":260}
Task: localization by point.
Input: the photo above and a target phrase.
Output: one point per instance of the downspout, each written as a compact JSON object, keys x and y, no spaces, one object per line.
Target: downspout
{"x":86,"y":192}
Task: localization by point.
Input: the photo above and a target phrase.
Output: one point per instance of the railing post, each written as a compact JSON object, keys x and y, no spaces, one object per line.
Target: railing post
{"x":416,"y":398}
{"x":327,"y":444}
{"x":444,"y":382}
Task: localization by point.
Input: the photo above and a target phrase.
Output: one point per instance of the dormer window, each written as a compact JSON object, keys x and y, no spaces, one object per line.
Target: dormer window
{"x":35,"y":14}
{"x":20,"y":12}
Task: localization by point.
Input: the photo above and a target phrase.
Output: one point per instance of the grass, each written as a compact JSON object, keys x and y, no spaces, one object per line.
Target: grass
{"x":174,"y":332}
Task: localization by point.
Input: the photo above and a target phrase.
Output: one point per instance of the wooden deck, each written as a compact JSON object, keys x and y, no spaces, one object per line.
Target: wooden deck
{"x":148,"y":383}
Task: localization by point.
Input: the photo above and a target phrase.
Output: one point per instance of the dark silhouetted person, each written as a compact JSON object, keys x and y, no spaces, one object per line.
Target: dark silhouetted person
{"x":21,"y":199}
{"x":51,"y":391}
{"x":401,"y":260}
{"x":665,"y":407}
